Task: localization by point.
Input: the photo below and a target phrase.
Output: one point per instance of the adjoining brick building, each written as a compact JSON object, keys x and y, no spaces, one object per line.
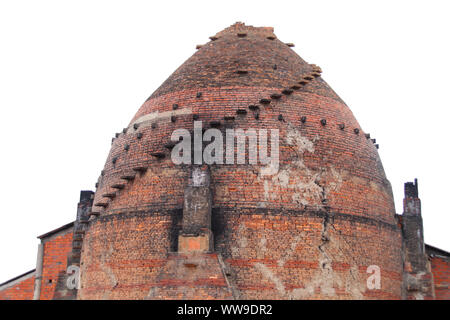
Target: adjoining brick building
{"x":321,"y":227}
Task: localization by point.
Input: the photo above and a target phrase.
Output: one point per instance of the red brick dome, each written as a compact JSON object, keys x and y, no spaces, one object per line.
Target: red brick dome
{"x":308,"y":231}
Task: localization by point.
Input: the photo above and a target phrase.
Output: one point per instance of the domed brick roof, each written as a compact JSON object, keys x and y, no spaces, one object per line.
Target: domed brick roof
{"x":306,"y":231}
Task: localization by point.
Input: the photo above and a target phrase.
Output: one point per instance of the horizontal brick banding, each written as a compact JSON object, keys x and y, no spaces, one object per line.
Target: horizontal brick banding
{"x":161,"y":230}
{"x":122,"y":214}
{"x":347,"y":160}
{"x":308,"y":231}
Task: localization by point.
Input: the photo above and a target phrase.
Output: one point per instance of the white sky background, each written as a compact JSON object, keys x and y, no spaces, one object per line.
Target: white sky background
{"x":74,"y":73}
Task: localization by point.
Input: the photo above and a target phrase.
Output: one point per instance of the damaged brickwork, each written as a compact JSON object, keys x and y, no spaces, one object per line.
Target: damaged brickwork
{"x":312,"y":229}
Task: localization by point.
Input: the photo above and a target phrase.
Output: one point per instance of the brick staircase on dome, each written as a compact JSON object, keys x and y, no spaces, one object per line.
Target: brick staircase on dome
{"x":124,"y":180}
{"x":275,"y":97}
{"x":275,"y":91}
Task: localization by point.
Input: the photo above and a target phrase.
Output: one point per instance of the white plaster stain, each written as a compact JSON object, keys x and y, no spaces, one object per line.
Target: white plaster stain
{"x":324,"y":278}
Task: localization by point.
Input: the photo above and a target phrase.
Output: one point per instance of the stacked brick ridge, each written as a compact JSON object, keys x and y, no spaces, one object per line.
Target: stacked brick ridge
{"x":309,"y":231}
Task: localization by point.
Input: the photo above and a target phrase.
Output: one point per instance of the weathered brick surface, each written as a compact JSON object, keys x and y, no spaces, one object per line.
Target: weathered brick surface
{"x":56,"y":250}
{"x":440,"y":267}
{"x":278,"y":256}
{"x":417,"y":276}
{"x":309,"y":231}
{"x":123,"y":253}
{"x":199,"y":276}
{"x":20,"y":291}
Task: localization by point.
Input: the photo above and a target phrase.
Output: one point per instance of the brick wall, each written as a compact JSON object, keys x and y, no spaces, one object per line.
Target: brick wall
{"x":308,"y":231}
{"x":124,"y":253}
{"x":56,"y":249}
{"x":440,"y":267}
{"x":22,"y":290}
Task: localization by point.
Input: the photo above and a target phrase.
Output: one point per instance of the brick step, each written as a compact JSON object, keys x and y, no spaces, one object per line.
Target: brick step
{"x":140,"y":169}
{"x":101,"y":204}
{"x":275,"y":96}
{"x":118,"y":186}
{"x":159,"y":155}
{"x":303,"y":82}
{"x":128,"y":177}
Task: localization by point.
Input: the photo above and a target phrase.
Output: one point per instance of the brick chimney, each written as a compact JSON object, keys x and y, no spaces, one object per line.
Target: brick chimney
{"x":417,"y":278}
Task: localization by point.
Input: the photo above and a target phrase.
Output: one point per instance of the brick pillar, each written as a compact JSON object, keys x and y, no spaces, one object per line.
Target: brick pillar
{"x":67,"y":287}
{"x":196,"y":235}
{"x":195,"y":271}
{"x":418,"y":282}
